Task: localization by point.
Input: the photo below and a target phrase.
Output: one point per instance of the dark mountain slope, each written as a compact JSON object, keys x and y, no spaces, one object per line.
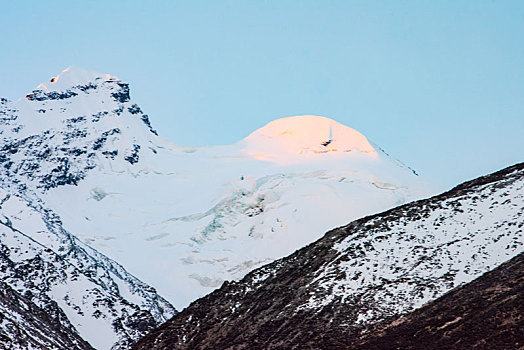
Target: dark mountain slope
{"x":330,"y":293}
{"x":24,"y":325}
{"x":487,"y":313}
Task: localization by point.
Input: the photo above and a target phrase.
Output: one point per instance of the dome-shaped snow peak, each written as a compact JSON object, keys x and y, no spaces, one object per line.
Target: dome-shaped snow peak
{"x":303,"y":136}
{"x":74,"y":76}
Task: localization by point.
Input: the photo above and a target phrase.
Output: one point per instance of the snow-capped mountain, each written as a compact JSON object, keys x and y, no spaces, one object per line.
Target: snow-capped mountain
{"x":329,"y":293}
{"x":186,"y":219}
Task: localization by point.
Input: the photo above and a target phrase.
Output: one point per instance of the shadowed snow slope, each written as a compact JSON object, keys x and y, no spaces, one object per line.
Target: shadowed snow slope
{"x":186,"y":219}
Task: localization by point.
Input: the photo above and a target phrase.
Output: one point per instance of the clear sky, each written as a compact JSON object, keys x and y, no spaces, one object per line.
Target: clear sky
{"x":438,"y":84}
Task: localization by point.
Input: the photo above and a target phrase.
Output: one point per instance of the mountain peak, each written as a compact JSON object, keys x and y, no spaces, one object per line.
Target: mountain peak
{"x":305,"y":135}
{"x":74,"y":76}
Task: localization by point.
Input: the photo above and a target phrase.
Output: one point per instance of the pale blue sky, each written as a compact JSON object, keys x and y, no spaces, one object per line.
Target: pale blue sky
{"x":438,"y":84}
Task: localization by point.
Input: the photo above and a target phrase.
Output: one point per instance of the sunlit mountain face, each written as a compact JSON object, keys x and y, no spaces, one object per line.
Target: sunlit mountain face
{"x":298,"y":139}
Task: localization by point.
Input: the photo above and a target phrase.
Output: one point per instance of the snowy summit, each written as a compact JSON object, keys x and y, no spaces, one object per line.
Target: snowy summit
{"x":74,"y":76}
{"x":284,"y":138}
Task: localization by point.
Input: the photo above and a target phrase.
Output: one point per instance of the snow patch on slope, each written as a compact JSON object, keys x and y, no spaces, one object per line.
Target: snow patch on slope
{"x":402,"y":263}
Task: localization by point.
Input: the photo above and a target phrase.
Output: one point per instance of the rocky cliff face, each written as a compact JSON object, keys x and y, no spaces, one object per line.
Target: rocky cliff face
{"x":330,"y":293}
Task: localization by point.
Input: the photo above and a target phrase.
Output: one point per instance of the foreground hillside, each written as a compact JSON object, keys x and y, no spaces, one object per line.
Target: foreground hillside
{"x":333,"y":291}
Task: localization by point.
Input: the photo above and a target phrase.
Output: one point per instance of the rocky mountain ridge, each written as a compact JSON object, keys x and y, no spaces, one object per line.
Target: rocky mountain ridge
{"x":56,"y":137}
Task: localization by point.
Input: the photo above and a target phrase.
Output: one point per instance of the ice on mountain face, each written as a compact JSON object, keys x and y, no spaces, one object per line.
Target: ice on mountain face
{"x":186,"y":219}
{"x":197,"y":219}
